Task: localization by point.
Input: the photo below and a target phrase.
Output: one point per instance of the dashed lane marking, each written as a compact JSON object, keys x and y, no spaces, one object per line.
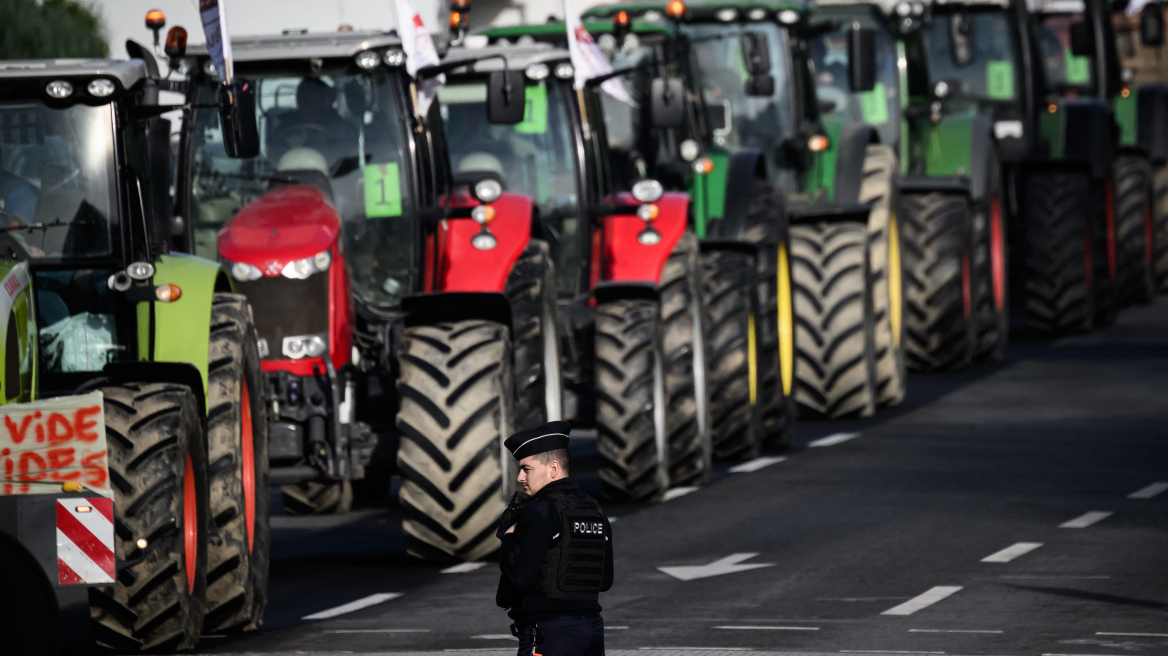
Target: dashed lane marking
{"x":769,"y":628}
{"x":375,"y":631}
{"x":756,"y":464}
{"x":495,"y":636}
{"x":676,"y":492}
{"x":463,"y":568}
{"x":1148,"y":492}
{"x":885,"y":651}
{"x":1133,"y":635}
{"x":923,"y":600}
{"x":1011,"y":552}
{"x":1087,"y":519}
{"x":728,"y":565}
{"x":1081,"y":655}
{"x":371,"y":600}
{"x":697,"y":648}
{"x":951,"y":631}
{"x":833,"y":439}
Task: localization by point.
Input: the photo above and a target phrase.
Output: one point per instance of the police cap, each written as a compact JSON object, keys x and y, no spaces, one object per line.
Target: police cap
{"x":549,"y":437}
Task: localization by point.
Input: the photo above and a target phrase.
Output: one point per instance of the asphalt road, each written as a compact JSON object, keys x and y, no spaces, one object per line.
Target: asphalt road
{"x":873,"y":542}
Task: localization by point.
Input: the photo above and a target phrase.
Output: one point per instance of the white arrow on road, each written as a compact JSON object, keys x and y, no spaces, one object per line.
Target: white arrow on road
{"x":727,"y":565}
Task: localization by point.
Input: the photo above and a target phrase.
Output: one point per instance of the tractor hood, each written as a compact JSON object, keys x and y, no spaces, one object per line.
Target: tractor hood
{"x":284,"y":225}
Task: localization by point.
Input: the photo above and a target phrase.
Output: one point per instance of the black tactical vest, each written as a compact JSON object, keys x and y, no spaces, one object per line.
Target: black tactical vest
{"x":574,"y":567}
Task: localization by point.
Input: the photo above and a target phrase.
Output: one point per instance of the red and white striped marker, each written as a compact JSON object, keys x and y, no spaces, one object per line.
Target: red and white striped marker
{"x":85,"y":540}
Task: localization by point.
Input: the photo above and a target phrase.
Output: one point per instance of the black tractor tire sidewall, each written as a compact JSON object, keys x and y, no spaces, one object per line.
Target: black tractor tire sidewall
{"x":531,"y":292}
{"x":1059,"y":220}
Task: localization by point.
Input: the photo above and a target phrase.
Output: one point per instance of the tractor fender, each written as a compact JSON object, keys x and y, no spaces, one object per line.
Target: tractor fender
{"x":18,"y":334}
{"x":464,"y":268}
{"x":624,"y":258}
{"x":743,"y":168}
{"x":1087,"y":134}
{"x":961,"y":146}
{"x":182,"y":328}
{"x":1152,"y":121}
{"x":981,"y":153}
{"x":433,"y":309}
{"x":851,"y":148}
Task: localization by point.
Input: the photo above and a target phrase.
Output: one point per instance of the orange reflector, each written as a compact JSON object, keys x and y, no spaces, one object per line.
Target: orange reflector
{"x":168,"y":293}
{"x":155,"y":19}
{"x":707,"y":164}
{"x":1052,"y":108}
{"x":621,"y":18}
{"x":1125,"y":92}
{"x":489,"y":213}
{"x":455,"y":19}
{"x":675,"y":9}
{"x":818,"y":143}
{"x":72,"y":486}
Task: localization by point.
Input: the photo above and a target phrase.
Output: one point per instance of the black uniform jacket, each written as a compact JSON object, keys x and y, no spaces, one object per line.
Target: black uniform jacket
{"x":521,"y":560}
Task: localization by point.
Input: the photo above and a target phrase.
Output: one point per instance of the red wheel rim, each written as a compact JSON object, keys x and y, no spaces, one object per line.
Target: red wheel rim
{"x":997,"y":254}
{"x":1110,"y":230}
{"x":190,"y":523}
{"x":1150,"y":237}
{"x":249,"y":483}
{"x":966,"y":293}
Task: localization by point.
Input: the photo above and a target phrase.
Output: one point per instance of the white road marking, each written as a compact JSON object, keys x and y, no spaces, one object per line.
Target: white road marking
{"x":769,"y":628}
{"x":1087,"y":519}
{"x":1011,"y":552}
{"x":950,"y":631}
{"x":612,"y":520}
{"x":1133,"y":635}
{"x":615,"y":628}
{"x":727,"y":565}
{"x":676,"y":492}
{"x":1081,"y":655}
{"x":371,"y":600}
{"x":1148,"y":492}
{"x":463,"y":568}
{"x":756,"y":464}
{"x":1053,"y":576}
{"x":833,"y":439}
{"x":495,"y":636}
{"x":923,"y":600}
{"x":699,"y":648}
{"x":885,"y":651}
{"x":374,"y":631}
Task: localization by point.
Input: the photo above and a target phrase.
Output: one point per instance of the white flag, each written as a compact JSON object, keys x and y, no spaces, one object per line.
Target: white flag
{"x":587,"y":58}
{"x":420,"y":52}
{"x":218,"y":42}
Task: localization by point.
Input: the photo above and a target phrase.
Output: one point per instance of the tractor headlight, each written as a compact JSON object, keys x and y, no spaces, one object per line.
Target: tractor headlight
{"x":367,"y":59}
{"x":301,"y":269}
{"x":488,"y":191}
{"x":648,"y":191}
{"x":305,"y":346}
{"x":245,"y":272}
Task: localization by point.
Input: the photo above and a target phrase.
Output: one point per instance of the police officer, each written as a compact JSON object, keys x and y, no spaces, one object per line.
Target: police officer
{"x":556,"y":553}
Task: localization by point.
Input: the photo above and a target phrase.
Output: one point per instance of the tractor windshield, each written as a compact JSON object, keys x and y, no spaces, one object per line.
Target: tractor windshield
{"x":974,"y":53}
{"x":535,"y":157}
{"x":1065,"y":71}
{"x":879,"y":107}
{"x":761,"y":122}
{"x":339,"y":130}
{"x":57,"y":178}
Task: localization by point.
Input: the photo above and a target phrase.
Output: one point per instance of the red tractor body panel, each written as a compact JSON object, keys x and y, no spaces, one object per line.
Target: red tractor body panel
{"x":627,"y":260}
{"x":464,"y":268}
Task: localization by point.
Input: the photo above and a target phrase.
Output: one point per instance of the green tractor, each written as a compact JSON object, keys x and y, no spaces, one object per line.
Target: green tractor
{"x":154,"y":530}
{"x":830,"y":193}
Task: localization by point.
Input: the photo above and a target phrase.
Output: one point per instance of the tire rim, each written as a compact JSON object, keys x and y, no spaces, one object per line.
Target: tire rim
{"x":751,"y":358}
{"x":699,"y":364}
{"x":997,"y":254}
{"x":553,"y":394}
{"x":659,"y":413}
{"x":966,"y":291}
{"x":247,"y":443}
{"x":786,"y":323}
{"x":190,"y":523}
{"x":895,"y":288}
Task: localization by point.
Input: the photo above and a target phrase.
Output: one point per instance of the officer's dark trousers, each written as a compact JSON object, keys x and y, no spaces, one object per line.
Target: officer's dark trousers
{"x":581,"y":635}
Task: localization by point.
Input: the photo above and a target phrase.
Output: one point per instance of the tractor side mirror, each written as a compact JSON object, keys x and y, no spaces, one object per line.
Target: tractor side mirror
{"x":667,"y":102}
{"x":237,"y":117}
{"x":1082,"y":39}
{"x":760,"y":85}
{"x":756,"y":53}
{"x":962,"y":40}
{"x":506,"y":97}
{"x":1152,"y":25}
{"x":861,"y":59}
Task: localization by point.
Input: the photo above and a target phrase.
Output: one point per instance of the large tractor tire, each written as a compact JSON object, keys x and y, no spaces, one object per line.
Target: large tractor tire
{"x":939,"y":325}
{"x":237,"y":443}
{"x":1134,"y":225}
{"x":1059,"y":267}
{"x":455,"y":388}
{"x":531,"y":292}
{"x":991,"y":304}
{"x":631,"y":402}
{"x":879,"y":190}
{"x":689,"y":452}
{"x":1160,"y":228}
{"x":834,"y":317}
{"x":736,"y":412}
{"x":158,"y":472}
{"x":774,"y":322}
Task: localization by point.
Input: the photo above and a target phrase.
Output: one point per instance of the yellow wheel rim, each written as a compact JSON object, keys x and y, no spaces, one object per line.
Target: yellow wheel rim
{"x":786,"y":323}
{"x":751,"y":358}
{"x":894,"y":282}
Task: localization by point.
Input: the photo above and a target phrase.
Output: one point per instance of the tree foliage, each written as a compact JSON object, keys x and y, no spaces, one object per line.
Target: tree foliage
{"x":52,"y":28}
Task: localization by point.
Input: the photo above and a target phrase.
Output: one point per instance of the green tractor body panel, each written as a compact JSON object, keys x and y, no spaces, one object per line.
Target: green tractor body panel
{"x":18,"y":335}
{"x":708,"y":192}
{"x":181,"y":328}
{"x":1125,"y":106}
{"x":1050,"y":132}
{"x":949,"y":146}
{"x":820,"y":180}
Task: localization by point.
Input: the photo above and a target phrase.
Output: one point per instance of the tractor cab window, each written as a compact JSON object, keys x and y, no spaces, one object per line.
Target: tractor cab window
{"x":338,"y":131}
{"x":535,"y":157}
{"x":979,"y":62}
{"x":761,"y":122}
{"x":879,"y":107}
{"x":1065,"y":71}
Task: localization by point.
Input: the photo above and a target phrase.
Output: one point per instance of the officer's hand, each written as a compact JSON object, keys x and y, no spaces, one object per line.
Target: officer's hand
{"x":510,"y":530}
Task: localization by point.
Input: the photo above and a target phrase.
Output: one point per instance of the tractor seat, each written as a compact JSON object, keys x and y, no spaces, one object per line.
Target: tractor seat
{"x":304,"y":166}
